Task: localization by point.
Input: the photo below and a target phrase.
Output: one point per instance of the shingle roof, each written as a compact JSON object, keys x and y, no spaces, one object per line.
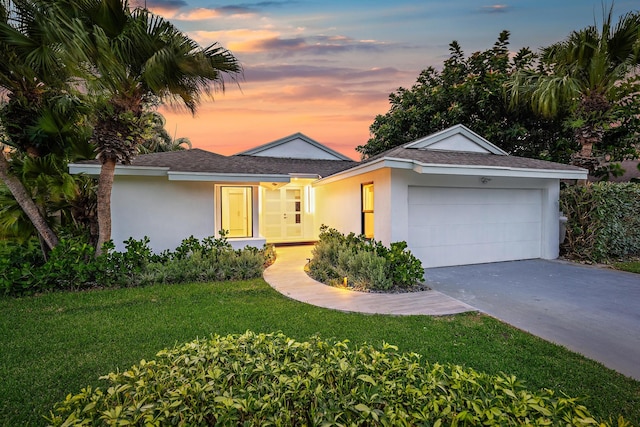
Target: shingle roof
{"x":197,"y":160}
{"x":469,"y":159}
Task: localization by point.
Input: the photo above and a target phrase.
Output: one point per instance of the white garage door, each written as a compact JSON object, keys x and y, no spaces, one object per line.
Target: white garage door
{"x":456,"y":226}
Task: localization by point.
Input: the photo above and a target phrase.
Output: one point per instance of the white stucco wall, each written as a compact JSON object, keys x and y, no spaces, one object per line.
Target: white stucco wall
{"x":338,"y":203}
{"x":165,"y":211}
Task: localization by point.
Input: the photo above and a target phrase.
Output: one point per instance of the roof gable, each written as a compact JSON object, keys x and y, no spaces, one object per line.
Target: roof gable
{"x":457,"y":138}
{"x":197,"y":164}
{"x":296,"y":146}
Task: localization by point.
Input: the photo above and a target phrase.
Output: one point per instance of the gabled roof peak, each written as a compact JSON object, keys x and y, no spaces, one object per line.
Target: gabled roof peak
{"x":297,"y":146}
{"x":458,"y":138}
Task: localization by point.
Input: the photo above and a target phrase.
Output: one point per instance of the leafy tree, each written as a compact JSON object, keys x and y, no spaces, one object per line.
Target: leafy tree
{"x":134,"y":59}
{"x":469,"y":90}
{"x":592,"y":74}
{"x":158,"y":140}
{"x":33,"y":81}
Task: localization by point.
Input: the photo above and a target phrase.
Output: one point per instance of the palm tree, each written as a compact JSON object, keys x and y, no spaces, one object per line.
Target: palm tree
{"x":158,"y":140}
{"x":583,"y":74}
{"x":31,"y":80}
{"x":134,"y":59}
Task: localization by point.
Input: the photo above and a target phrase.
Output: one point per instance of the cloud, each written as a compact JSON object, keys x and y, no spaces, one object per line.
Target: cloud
{"x":309,"y":45}
{"x":169,"y":7}
{"x":160,"y":6}
{"x":258,"y":5}
{"x":496,"y":8}
{"x":286,"y":72}
{"x":198,"y":14}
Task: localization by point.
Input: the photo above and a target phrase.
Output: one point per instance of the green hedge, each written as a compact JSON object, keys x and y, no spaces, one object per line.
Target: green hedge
{"x":72,"y":265}
{"x":603,"y":221}
{"x":367,"y":264}
{"x":270,"y":379}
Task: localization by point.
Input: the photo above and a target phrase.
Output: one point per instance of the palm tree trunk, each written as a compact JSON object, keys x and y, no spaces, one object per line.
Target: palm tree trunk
{"x":105,"y":183}
{"x":27,"y":204}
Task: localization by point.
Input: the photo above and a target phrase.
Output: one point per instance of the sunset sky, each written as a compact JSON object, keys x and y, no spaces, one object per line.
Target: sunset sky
{"x":326,"y":68}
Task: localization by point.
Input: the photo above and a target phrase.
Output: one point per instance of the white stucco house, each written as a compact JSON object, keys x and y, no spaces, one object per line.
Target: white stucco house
{"x":454,"y":197}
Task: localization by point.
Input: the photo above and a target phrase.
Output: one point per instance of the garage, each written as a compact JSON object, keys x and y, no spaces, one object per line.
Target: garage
{"x":454,"y":226}
{"x":454,"y":198}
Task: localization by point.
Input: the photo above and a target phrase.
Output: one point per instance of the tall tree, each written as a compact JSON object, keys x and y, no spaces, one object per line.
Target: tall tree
{"x":32,"y":81}
{"x":469,"y":90}
{"x":591,"y":72}
{"x":135,"y":58}
{"x":157,"y":138}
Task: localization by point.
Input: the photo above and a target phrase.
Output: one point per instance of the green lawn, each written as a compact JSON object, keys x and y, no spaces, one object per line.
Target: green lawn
{"x":55,"y":344}
{"x":630,"y":266}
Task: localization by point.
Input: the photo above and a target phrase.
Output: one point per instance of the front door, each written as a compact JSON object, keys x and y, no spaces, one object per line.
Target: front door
{"x":283,"y":214}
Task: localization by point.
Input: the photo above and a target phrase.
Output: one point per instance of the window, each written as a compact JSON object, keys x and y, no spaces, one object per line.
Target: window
{"x":237,"y":214}
{"x":367,"y":210}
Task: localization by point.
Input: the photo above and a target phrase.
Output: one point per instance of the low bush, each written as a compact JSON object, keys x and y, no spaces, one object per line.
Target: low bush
{"x":270,"y":379}
{"x":367,"y":264}
{"x":72,"y":265}
{"x":603,"y":221}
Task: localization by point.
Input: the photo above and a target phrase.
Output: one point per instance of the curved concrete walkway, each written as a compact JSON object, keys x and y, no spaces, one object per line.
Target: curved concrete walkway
{"x":287,"y":276}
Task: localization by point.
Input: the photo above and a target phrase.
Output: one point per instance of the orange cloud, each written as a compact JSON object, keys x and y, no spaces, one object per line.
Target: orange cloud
{"x":238,"y":40}
{"x":198,"y":14}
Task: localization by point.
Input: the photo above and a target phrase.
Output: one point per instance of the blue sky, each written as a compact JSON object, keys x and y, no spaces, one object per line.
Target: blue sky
{"x":326,"y":68}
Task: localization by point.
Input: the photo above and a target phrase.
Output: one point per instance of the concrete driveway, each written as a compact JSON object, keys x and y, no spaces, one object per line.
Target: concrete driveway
{"x":590,"y":310}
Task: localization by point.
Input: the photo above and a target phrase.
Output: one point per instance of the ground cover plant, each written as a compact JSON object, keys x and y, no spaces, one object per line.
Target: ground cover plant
{"x":362,"y":263}
{"x":630,"y":266}
{"x":261,"y":379}
{"x":72,"y":265}
{"x":57,"y":343}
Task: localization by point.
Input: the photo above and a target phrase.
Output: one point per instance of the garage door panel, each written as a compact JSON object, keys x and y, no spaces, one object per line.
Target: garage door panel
{"x":472,"y":214}
{"x":465,"y":234}
{"x":455,"y":226}
{"x":461,"y":196}
{"x":471,"y":254}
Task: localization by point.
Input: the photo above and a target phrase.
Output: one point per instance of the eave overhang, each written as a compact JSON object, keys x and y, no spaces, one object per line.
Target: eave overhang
{"x":93,"y":169}
{"x":447,"y":169}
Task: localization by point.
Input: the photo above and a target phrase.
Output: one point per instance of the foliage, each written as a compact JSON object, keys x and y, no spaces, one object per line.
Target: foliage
{"x":630,"y":266}
{"x":157,"y":139}
{"x":590,"y":73}
{"x":60,"y":342}
{"x":603,"y":221}
{"x":56,"y":193}
{"x":258,"y":379}
{"x":39,"y":112}
{"x":133,"y":60}
{"x":72,"y":265}
{"x":367,"y":264}
{"x":469,"y":90}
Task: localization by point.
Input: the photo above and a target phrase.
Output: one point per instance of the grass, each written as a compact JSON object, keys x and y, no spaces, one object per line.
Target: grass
{"x":630,"y":266}
{"x":55,"y":344}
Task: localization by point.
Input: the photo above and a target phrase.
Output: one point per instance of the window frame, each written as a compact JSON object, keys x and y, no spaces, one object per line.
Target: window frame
{"x":367,"y":208}
{"x":248,"y":206}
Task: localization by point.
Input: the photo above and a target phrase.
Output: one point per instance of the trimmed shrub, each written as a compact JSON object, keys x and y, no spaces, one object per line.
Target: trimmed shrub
{"x":603,"y":221}
{"x":17,"y":265}
{"x":270,"y":379}
{"x":367,"y":264}
{"x":72,"y":265}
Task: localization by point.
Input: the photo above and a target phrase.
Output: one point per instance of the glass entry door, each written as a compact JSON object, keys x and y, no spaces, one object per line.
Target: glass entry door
{"x":283,"y":213}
